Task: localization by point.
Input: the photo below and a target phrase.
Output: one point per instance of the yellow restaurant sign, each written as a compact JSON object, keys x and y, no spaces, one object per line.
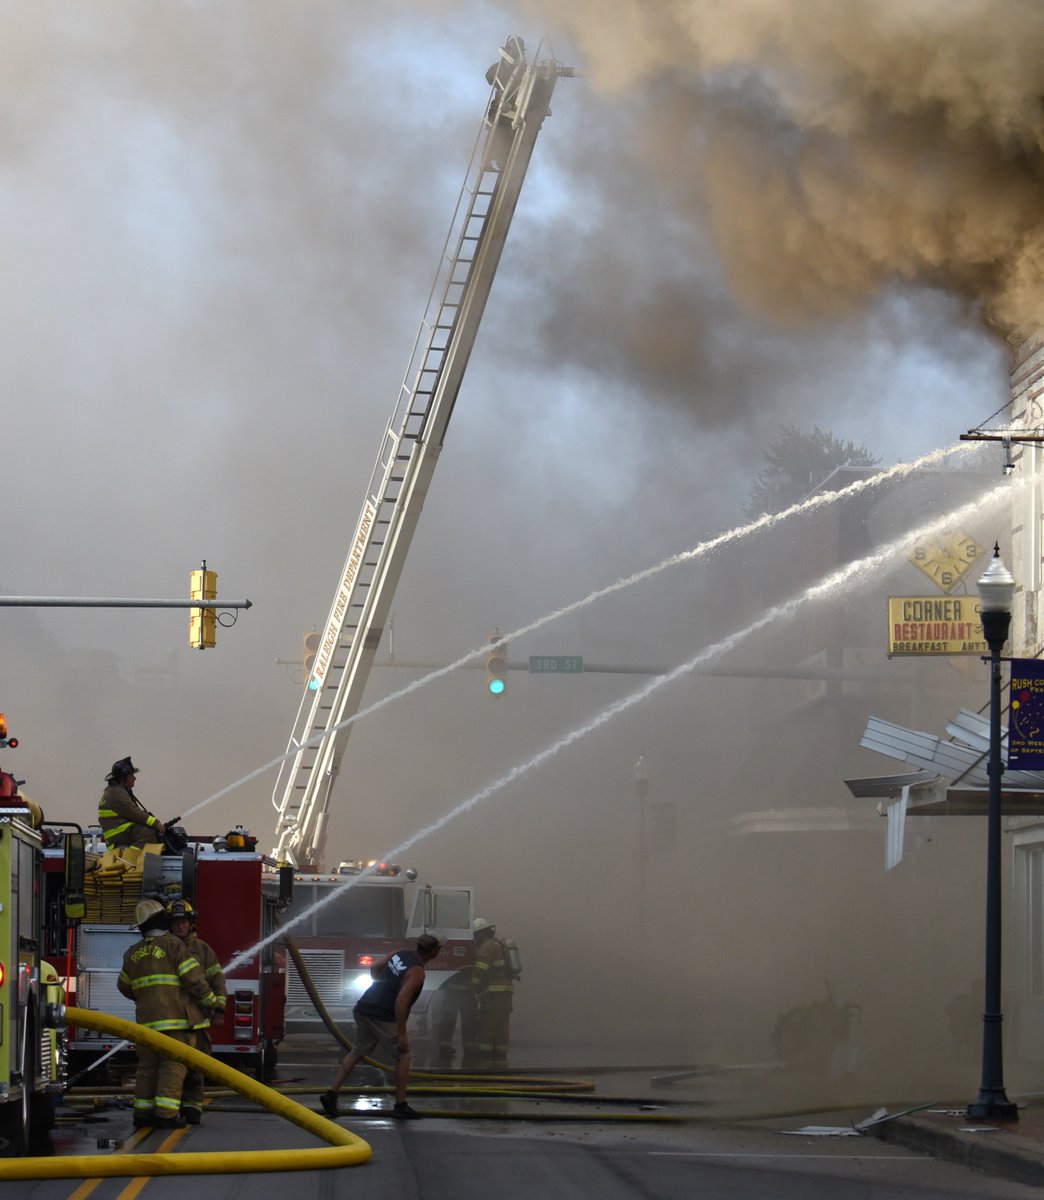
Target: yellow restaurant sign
{"x":934,"y":625}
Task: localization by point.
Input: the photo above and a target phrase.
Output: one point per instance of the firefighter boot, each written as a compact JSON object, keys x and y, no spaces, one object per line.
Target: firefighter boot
{"x":167,"y":1123}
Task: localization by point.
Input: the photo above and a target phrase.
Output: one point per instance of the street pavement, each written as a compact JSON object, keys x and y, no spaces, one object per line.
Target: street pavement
{"x":664,"y":1131}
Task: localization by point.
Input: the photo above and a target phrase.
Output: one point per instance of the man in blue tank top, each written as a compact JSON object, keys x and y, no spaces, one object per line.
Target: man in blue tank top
{"x":380,"y":1020}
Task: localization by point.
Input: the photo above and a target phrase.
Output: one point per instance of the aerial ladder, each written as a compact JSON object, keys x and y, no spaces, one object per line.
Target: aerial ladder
{"x":519,"y":101}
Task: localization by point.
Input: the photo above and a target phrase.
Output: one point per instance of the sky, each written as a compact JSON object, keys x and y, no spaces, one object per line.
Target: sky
{"x":223,"y":221}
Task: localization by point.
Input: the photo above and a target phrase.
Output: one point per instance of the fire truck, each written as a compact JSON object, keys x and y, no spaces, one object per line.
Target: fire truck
{"x":358,"y":915}
{"x":237,"y":895}
{"x":32,"y":1045}
{"x":368,"y":913}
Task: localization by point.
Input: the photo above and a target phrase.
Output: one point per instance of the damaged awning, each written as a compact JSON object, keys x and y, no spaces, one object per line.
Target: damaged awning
{"x":949,"y":778}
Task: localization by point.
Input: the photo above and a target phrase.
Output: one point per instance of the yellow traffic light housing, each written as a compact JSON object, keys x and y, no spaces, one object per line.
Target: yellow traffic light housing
{"x":309,"y":649}
{"x":202,"y":621}
{"x":496,"y":666}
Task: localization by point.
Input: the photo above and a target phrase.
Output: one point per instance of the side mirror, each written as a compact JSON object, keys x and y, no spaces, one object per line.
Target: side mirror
{"x":75,"y":905}
{"x":286,"y":887}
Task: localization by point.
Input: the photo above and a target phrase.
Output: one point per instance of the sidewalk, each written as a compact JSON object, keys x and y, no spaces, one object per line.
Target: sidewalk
{"x":1012,"y":1150}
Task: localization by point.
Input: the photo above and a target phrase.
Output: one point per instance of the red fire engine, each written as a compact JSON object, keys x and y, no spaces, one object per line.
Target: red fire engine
{"x":236,"y":893}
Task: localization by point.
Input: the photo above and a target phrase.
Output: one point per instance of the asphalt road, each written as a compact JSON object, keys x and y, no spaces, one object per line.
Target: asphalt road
{"x":518,"y":1151}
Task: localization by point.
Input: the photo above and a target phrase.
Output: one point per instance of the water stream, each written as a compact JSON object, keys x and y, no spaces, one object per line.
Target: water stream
{"x":765,"y":521}
{"x":830,"y":585}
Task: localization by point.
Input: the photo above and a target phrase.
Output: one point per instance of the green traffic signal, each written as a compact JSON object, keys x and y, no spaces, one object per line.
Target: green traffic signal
{"x":496,"y":666}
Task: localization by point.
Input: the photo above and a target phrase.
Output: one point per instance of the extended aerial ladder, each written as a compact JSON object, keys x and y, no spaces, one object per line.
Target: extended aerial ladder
{"x":519,"y":102}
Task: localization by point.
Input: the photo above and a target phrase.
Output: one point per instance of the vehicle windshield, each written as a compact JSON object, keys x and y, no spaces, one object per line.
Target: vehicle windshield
{"x":358,"y":911}
{"x":363,"y":910}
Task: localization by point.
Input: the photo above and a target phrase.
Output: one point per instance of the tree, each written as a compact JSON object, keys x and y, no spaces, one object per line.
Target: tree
{"x":797,"y":462}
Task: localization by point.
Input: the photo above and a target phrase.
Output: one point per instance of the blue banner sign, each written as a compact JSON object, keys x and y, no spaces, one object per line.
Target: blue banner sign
{"x":1026,"y":715}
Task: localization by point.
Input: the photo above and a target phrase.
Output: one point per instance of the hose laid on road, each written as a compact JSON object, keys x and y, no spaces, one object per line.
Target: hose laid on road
{"x":345,"y":1149}
{"x":477,"y":1081}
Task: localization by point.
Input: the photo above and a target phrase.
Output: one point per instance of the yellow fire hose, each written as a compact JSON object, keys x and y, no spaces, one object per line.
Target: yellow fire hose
{"x":474,"y":1084}
{"x":345,"y":1149}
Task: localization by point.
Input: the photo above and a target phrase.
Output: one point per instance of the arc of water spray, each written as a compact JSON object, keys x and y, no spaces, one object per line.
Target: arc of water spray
{"x":765,"y":521}
{"x":832,"y":582}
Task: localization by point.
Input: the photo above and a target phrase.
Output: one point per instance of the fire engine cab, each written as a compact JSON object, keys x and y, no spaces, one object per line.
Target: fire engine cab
{"x":359,"y":914}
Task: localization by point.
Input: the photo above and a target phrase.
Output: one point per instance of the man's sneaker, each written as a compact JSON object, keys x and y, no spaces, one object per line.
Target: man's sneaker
{"x":403,"y":1112}
{"x":329,"y":1102}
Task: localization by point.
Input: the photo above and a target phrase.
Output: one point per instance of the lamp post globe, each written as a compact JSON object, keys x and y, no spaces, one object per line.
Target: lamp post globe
{"x":996,"y":591}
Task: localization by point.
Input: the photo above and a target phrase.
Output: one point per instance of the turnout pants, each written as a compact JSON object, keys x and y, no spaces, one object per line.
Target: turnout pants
{"x":158,"y":1083}
{"x":494,"y":1026}
{"x":192,"y":1091}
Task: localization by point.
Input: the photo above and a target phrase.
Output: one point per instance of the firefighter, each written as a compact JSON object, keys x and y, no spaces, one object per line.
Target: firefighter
{"x":124,"y":820}
{"x":183,"y":925}
{"x":161,"y":976}
{"x":491,"y":981}
{"x":454,"y":1001}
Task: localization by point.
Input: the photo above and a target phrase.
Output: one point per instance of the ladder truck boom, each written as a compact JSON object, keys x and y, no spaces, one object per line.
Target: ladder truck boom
{"x":409,"y":449}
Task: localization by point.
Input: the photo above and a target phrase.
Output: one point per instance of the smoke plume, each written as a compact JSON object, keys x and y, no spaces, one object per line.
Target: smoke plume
{"x":835,"y":148}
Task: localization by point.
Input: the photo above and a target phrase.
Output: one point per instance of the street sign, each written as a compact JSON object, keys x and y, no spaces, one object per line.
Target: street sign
{"x":556,"y":664}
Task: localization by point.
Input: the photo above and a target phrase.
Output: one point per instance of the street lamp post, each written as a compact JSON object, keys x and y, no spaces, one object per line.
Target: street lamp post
{"x":996,"y":588}
{"x":641,"y":790}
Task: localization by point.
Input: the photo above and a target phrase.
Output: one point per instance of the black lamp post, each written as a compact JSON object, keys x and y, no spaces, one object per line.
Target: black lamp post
{"x":996,"y":588}
{"x":641,"y":790}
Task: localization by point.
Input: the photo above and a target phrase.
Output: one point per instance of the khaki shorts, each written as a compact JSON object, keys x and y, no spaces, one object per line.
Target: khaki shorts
{"x":369,"y":1034}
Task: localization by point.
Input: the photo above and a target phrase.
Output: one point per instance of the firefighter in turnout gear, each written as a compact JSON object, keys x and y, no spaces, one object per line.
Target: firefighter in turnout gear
{"x":492,"y":981}
{"x":454,"y":1001}
{"x":183,"y":925}
{"x":166,"y":984}
{"x":124,"y":820}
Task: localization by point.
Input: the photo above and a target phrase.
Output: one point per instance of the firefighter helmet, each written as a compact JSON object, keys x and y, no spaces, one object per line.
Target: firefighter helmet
{"x":481,"y":923}
{"x":147,"y":911}
{"x":121,"y":769}
{"x":181,"y":909}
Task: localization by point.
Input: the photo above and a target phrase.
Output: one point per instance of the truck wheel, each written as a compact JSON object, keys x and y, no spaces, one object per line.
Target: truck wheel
{"x":42,"y":1120}
{"x":14,"y":1116}
{"x":269,"y":1058}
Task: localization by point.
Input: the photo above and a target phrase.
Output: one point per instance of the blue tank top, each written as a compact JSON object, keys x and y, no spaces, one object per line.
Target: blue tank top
{"x":378,"y":1001}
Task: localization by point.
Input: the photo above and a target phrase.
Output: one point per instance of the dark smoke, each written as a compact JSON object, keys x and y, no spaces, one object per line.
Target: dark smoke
{"x":840,"y":147}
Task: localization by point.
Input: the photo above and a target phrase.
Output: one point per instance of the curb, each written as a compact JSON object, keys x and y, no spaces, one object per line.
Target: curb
{"x":995,"y":1151}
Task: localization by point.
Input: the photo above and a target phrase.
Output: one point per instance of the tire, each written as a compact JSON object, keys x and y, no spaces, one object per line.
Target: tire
{"x":269,"y":1058}
{"x":14,"y":1116}
{"x":42,"y":1120}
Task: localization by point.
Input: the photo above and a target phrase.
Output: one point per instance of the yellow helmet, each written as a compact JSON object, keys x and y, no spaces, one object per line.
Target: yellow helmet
{"x":177,"y":909}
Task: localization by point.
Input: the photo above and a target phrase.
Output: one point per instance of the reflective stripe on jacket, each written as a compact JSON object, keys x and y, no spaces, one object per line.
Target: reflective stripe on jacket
{"x":492,"y":972}
{"x":203,"y":953}
{"x":119,"y":810}
{"x":160,"y":975}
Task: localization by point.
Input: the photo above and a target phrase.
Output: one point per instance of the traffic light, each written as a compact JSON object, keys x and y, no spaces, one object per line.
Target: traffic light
{"x":496,"y":666}
{"x":202,"y":621}
{"x":309,"y":649}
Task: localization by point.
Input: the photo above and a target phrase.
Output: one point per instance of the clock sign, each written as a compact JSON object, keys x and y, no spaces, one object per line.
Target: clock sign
{"x":946,"y":559}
